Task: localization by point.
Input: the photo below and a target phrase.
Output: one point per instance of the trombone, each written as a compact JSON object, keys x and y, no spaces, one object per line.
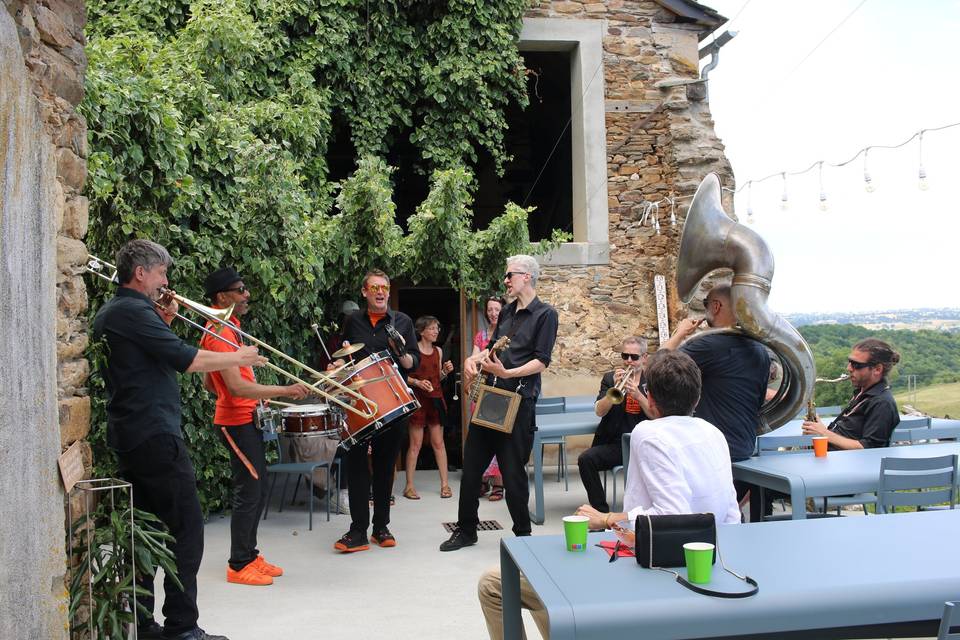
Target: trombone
{"x":96,"y":266}
{"x":615,"y":393}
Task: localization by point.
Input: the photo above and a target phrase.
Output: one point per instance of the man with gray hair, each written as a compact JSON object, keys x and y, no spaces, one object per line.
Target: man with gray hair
{"x":618,"y":415}
{"x":531,"y":326}
{"x":143,"y":357}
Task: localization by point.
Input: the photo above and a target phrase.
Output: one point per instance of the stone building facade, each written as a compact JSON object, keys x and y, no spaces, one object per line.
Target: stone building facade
{"x":660,"y":142}
{"x":43,"y":219}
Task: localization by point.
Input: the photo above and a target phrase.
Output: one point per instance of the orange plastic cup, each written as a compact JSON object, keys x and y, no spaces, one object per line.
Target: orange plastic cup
{"x":820,"y":446}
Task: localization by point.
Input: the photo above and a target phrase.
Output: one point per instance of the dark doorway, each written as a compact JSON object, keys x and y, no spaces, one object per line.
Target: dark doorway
{"x":539,"y":140}
{"x":444,"y":304}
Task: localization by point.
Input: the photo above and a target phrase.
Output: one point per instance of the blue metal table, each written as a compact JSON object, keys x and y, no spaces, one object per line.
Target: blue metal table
{"x":803,"y":475}
{"x":806,"y":591}
{"x":789,"y":432}
{"x":560,"y":424}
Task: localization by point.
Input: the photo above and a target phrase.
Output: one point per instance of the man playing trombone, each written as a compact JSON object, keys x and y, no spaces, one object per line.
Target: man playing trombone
{"x":143,"y":421}
{"x":237,"y":395}
{"x":621,"y":404}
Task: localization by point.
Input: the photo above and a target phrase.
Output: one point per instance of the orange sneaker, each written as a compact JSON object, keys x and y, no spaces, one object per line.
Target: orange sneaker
{"x":266,"y":568}
{"x":248,"y":575}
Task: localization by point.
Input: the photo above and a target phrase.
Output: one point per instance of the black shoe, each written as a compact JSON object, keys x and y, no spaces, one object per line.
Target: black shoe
{"x":384,"y":538}
{"x":458,"y":540}
{"x":352,"y":541}
{"x":150,"y":631}
{"x":195,"y":634}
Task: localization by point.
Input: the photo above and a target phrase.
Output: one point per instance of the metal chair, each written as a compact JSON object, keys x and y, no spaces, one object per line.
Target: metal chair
{"x":917,"y":482}
{"x":625,"y":456}
{"x":561,"y":459}
{"x":299,"y":469}
{"x":549,"y":406}
{"x":951,"y":618}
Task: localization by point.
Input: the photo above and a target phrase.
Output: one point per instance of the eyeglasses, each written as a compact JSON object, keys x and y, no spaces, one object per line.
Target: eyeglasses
{"x":242,"y":289}
{"x":631,"y":356}
{"x":706,"y":302}
{"x":378,"y":288}
{"x":859,"y":365}
{"x":510,"y":274}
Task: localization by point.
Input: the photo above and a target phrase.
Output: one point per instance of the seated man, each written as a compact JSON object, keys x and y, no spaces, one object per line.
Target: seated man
{"x":678,"y":464}
{"x":870,"y":417}
{"x":606,"y":450}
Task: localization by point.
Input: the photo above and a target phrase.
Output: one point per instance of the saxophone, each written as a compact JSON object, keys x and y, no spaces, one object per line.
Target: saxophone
{"x":500,"y":345}
{"x":812,"y":406}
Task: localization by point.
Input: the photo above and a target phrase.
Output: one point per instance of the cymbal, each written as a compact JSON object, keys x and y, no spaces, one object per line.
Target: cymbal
{"x":353,"y":348}
{"x":363,"y":382}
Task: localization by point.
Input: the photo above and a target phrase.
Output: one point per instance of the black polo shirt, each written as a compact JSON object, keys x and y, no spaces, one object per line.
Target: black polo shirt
{"x":734,"y":370}
{"x":870,"y":417}
{"x":617,"y":421}
{"x":143,"y":358}
{"x":533,"y":332}
{"x":357,"y":328}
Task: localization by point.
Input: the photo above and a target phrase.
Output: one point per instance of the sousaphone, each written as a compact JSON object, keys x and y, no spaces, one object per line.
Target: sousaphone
{"x":711,"y":240}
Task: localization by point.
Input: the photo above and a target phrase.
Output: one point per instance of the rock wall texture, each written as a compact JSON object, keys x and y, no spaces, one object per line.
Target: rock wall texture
{"x":43,"y":217}
{"x":660,"y":143}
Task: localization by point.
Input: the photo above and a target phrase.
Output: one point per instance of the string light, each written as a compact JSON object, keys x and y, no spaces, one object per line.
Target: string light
{"x":922,"y":175}
{"x":784,"y":201}
{"x":867,"y":181}
{"x":673,"y":210}
{"x":750,"y":219}
{"x":823,"y":194}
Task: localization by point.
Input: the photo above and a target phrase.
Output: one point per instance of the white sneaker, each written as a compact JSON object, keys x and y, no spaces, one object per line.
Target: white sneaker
{"x":344,"y":502}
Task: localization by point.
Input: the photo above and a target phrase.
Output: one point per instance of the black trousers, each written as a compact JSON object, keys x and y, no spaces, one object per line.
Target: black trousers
{"x":602,"y":457}
{"x":249,"y":493}
{"x":384,"y":447}
{"x":512,"y":451}
{"x":164,"y":484}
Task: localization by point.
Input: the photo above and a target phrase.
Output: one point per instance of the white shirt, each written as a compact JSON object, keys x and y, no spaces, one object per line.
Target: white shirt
{"x":680,"y":464}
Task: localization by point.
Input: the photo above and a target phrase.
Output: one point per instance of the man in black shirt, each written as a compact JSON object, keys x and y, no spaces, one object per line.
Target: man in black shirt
{"x":871,"y":416}
{"x":143,"y":421}
{"x":606,"y":450}
{"x":369,"y":326}
{"x":734,"y":369}
{"x":531,"y":326}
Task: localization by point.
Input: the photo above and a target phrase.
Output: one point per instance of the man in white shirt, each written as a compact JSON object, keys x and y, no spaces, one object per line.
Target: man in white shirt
{"x":678,"y":464}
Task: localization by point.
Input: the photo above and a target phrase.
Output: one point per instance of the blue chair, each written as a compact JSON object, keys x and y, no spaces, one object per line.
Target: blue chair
{"x":299,"y":469}
{"x":549,"y":406}
{"x":625,"y":456}
{"x":917,"y":482}
{"x":561,"y":458}
{"x":951,"y":618}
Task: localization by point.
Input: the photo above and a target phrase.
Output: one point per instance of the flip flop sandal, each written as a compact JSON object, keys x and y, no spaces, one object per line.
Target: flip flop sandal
{"x":446,"y":492}
{"x":410,"y":494}
{"x":496,"y":494}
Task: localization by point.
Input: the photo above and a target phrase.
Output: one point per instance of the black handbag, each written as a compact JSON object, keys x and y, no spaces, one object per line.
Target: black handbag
{"x":660,"y":540}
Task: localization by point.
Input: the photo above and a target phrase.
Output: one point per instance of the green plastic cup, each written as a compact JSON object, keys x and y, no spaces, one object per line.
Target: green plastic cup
{"x":575,"y":532}
{"x":699,"y":557}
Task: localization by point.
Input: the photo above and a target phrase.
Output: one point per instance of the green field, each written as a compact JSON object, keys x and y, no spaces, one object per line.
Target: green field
{"x":938,"y":400}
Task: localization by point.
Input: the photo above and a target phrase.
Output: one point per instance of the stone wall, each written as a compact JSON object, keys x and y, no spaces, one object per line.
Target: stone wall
{"x":660,"y":143}
{"x":43,"y":219}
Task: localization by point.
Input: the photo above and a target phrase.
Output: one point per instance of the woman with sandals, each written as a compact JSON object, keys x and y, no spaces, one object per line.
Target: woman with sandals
{"x":425,"y":381}
{"x":492,"y":480}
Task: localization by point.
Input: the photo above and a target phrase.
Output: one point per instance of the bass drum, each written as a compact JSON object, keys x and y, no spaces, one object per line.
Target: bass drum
{"x":378,"y":379}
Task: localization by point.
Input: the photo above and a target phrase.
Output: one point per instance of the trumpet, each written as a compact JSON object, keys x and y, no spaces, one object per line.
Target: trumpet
{"x":615,"y":394}
{"x":108,"y":272}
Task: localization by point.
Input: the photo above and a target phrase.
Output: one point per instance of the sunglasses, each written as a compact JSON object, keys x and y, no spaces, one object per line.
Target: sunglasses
{"x":510,"y":274}
{"x":378,"y":288}
{"x":859,"y":365}
{"x":242,"y":289}
{"x":631,"y":356}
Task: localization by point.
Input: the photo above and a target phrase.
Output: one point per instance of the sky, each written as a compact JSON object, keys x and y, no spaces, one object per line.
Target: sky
{"x":780,"y":103}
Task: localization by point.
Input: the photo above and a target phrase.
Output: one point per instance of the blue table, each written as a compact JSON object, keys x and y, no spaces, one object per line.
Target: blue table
{"x":803,"y":475}
{"x":559,"y":424}
{"x":882,"y":590}
{"x":788,"y":434}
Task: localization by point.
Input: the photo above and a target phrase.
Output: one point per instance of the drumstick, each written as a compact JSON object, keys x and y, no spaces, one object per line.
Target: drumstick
{"x":316,"y":329}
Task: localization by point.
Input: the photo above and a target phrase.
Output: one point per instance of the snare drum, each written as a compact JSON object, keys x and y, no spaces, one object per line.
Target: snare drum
{"x":378,"y":379}
{"x":310,"y":420}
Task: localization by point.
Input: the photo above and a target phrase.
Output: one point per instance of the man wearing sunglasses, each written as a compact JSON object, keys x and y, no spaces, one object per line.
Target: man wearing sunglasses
{"x":871,"y":416}
{"x":606,"y":451}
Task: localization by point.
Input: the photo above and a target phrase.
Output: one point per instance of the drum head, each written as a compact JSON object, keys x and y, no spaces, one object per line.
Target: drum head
{"x":305,"y":410}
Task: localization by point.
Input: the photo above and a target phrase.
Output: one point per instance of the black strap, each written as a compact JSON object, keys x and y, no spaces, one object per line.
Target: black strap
{"x":721,"y":594}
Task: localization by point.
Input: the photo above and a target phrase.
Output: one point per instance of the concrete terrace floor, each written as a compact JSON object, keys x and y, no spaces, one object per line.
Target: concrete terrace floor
{"x":409,"y":592}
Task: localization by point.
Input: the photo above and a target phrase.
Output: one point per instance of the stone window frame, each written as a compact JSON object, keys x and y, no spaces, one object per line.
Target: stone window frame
{"x":588,"y":132}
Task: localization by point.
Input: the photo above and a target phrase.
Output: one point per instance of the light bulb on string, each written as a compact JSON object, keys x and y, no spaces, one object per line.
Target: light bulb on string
{"x":823,"y":194}
{"x":750,"y":219}
{"x":673,"y":211}
{"x":922,"y":173}
{"x":867,"y":180}
{"x":784,"y":201}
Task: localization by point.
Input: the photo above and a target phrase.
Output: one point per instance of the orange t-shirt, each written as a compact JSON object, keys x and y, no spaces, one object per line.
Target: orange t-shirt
{"x":375,"y":317}
{"x":231,"y":410}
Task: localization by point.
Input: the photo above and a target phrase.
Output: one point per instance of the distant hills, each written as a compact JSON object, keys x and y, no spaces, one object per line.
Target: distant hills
{"x":946,"y":319}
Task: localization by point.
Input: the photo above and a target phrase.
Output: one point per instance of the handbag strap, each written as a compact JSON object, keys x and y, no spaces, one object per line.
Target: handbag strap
{"x":704,"y":590}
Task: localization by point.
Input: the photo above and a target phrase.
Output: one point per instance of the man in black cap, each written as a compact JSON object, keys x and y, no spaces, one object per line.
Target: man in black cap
{"x":237,"y":395}
{"x":143,"y":357}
